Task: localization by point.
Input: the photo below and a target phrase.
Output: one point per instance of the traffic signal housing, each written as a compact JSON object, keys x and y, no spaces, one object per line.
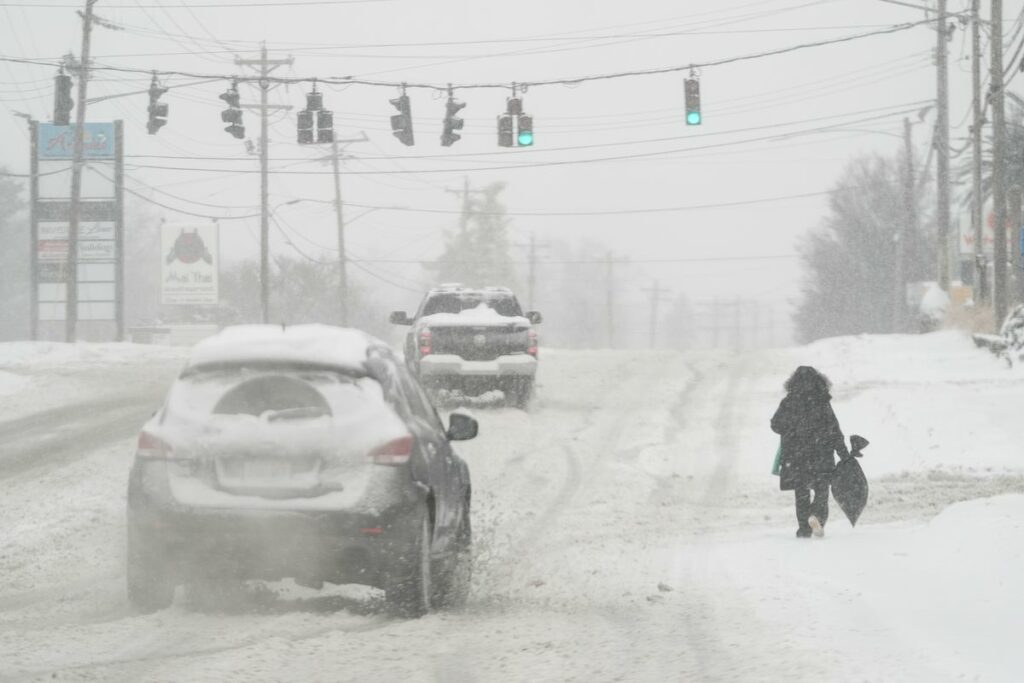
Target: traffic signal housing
{"x":62,"y":102}
{"x":692,"y":88}
{"x":452,"y":122}
{"x":304,"y":122}
{"x":324,"y":126}
{"x":401,"y":123}
{"x":314,"y":123}
{"x":524,"y":138}
{"x":233,"y":114}
{"x":514,"y":127}
{"x":157,"y":110}
{"x":506,"y":134}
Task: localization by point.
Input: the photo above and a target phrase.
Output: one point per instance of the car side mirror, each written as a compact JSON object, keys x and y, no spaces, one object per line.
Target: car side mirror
{"x":858,"y":443}
{"x":462,"y":426}
{"x":399,"y":318}
{"x":534,"y":317}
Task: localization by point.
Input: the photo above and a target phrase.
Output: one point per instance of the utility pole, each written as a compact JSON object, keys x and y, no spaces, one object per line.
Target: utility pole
{"x":531,"y":279}
{"x":998,"y":163}
{"x":266,"y":67}
{"x":75,"y":209}
{"x":977,"y":217}
{"x":657,"y":296}
{"x":942,"y":145}
{"x":340,"y":217}
{"x":464,"y":193}
{"x":908,"y":226}
{"x":610,"y":262}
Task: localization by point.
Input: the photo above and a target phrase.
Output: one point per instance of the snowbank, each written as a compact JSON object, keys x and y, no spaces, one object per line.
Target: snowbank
{"x":939,"y":600}
{"x":924,"y":401}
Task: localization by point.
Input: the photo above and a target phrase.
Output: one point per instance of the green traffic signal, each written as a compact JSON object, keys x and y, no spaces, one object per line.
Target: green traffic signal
{"x":525,"y":138}
{"x":693,"y":118}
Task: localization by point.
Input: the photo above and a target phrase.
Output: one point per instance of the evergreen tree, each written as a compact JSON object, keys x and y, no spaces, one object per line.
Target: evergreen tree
{"x":478,"y":253}
{"x":851,"y":263}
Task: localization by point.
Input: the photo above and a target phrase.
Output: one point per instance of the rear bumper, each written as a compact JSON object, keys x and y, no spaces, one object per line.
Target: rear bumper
{"x":338,"y":546}
{"x":445,"y":365}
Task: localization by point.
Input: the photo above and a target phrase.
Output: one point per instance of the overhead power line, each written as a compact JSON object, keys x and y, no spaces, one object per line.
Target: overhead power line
{"x":520,"y":85}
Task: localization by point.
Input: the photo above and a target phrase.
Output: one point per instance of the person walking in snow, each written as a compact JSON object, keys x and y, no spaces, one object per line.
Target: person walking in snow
{"x":810,"y":437}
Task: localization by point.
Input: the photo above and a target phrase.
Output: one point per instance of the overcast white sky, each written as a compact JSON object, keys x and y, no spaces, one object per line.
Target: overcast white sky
{"x":518,"y":41}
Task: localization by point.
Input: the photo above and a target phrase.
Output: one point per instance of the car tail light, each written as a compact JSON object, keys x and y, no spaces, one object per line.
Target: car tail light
{"x":394,"y":452}
{"x":425,"y":342}
{"x":152,"y":447}
{"x":531,"y":343}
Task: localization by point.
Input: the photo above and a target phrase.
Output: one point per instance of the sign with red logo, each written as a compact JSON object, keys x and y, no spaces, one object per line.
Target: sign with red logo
{"x":190,"y":263}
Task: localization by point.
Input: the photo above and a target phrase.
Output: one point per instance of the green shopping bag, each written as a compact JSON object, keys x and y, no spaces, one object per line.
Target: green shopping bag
{"x":777,"y":466}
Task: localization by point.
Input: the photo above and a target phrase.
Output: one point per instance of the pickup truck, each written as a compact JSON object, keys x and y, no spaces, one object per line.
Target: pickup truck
{"x":472,"y":341}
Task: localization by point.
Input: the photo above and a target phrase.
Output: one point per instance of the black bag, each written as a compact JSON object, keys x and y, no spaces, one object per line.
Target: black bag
{"x":849,"y":485}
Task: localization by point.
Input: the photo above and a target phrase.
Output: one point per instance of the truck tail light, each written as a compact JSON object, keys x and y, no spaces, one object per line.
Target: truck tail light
{"x":531,"y":343}
{"x":425,"y":342}
{"x":393,"y":453}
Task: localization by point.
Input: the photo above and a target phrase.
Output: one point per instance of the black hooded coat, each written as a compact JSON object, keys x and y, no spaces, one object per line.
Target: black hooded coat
{"x":810,"y":431}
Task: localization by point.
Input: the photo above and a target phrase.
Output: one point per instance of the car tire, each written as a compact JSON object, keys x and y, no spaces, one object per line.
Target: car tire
{"x":149,"y":583}
{"x":410,"y":589}
{"x":454,"y":585}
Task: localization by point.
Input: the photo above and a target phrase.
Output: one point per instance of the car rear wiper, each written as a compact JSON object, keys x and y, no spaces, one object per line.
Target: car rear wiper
{"x":303,"y":413}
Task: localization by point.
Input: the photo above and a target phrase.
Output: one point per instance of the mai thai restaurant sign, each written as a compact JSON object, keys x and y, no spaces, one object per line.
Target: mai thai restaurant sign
{"x":191,"y":262}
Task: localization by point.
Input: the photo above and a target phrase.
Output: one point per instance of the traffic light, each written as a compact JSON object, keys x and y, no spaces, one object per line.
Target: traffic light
{"x":505,"y":130}
{"x":692,"y":87}
{"x":401,"y":123}
{"x":62,"y":102}
{"x":305,"y":127}
{"x":452,"y":123}
{"x":513,"y":119}
{"x":314,"y":113}
{"x":233,"y":114}
{"x":157,"y":110}
{"x":324,"y":126}
{"x":525,"y":135}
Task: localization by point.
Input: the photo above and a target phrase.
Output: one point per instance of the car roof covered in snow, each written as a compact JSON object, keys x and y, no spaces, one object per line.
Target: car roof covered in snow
{"x":306,"y":345}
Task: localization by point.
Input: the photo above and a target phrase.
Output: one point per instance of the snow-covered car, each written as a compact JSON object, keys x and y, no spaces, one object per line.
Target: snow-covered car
{"x":473,"y":341}
{"x":307,"y":452}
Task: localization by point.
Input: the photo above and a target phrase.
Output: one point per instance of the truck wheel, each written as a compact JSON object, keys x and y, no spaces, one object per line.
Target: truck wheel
{"x":149,"y":582}
{"x":519,"y":392}
{"x":410,"y":586}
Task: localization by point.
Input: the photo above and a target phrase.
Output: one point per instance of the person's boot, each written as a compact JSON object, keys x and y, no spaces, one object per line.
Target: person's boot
{"x":817,"y":528}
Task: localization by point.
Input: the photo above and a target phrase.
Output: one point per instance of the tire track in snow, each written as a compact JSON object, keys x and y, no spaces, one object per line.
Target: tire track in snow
{"x":55,"y":437}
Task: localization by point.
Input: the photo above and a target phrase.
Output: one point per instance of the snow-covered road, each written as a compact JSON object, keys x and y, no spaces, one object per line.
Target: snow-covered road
{"x":626,"y":529}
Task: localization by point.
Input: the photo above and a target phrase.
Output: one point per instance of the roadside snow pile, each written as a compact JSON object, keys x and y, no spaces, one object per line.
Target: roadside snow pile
{"x":924,"y":401}
{"x":37,"y":376}
{"x":27,"y":356}
{"x":11,"y":383}
{"x":939,"y":600}
{"x":1013,"y":336}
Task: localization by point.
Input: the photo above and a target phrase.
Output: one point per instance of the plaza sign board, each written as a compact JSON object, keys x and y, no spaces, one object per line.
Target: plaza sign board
{"x":58,"y":142}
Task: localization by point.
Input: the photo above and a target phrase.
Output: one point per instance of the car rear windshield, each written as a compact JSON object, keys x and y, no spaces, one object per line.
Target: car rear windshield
{"x":274,"y":393}
{"x":456,"y":302}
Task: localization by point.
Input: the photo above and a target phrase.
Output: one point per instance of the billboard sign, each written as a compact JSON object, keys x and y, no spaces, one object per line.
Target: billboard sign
{"x":58,"y":142}
{"x":191,"y":262}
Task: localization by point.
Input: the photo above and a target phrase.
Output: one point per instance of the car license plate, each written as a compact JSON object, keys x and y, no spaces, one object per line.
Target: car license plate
{"x":266,"y":470}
